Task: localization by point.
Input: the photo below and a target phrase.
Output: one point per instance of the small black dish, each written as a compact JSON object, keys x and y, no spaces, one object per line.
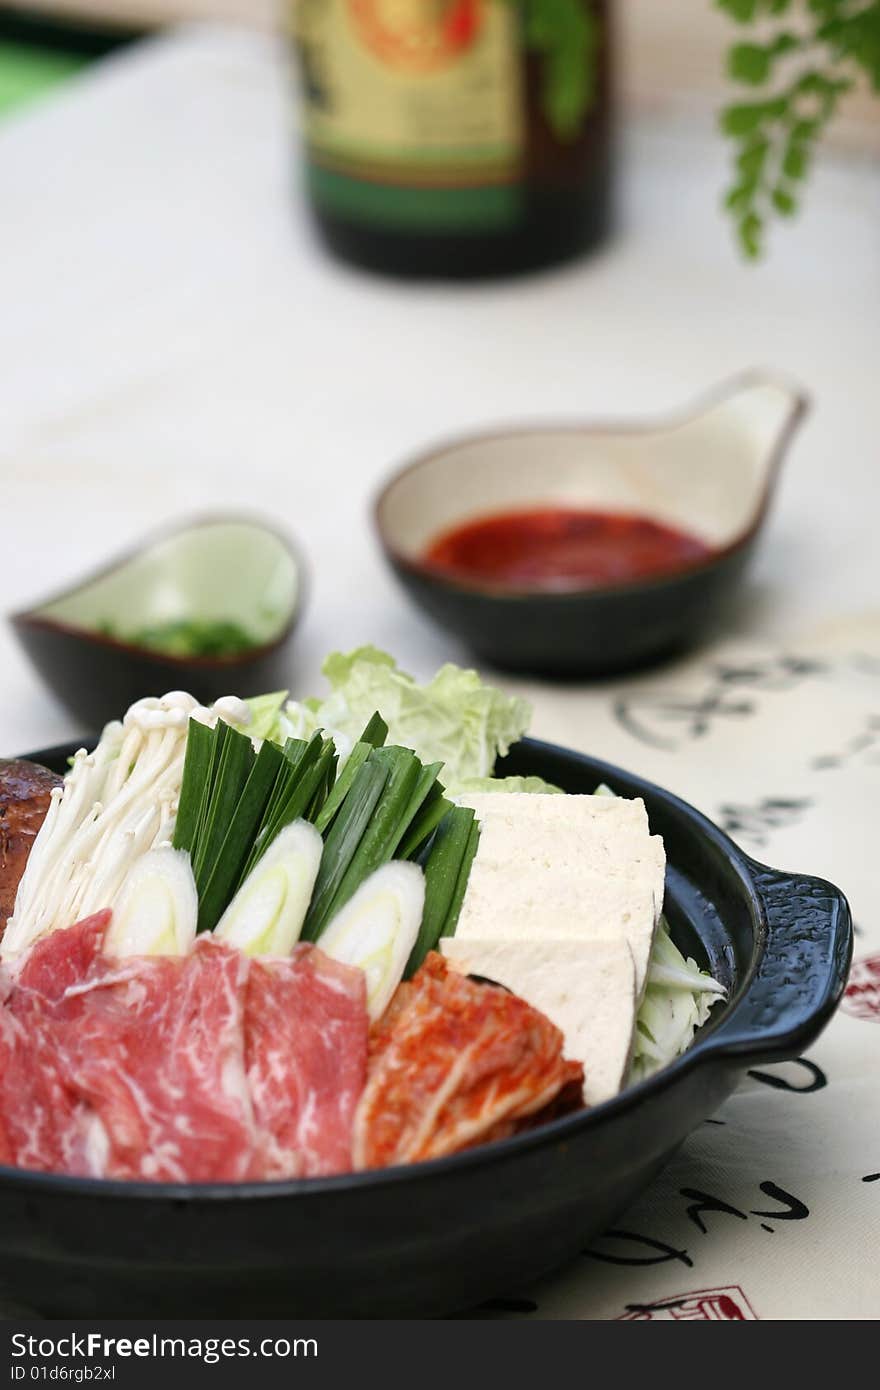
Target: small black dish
{"x":439,"y":1237}
{"x":213,"y":569}
{"x":711,"y":473}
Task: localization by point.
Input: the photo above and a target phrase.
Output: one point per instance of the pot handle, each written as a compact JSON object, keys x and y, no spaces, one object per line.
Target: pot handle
{"x":799,"y":971}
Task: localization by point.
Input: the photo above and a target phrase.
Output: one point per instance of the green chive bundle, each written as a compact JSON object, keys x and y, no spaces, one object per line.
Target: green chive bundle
{"x":235,"y":802}
{"x":385,"y":804}
{"x":447,"y":864}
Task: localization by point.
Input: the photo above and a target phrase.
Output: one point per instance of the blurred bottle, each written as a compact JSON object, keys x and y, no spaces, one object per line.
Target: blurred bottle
{"x":456,"y":137}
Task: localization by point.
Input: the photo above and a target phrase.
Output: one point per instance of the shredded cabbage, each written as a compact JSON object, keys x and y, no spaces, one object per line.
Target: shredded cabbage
{"x":678,"y":998}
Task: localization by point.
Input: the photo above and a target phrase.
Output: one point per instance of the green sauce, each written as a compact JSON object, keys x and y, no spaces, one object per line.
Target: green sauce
{"x":188,"y":637}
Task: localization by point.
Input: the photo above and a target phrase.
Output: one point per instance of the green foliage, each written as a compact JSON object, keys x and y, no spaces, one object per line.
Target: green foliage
{"x":807,"y":70}
{"x":747,"y":11}
{"x":805,"y":55}
{"x":752,"y":63}
{"x":565,"y":33}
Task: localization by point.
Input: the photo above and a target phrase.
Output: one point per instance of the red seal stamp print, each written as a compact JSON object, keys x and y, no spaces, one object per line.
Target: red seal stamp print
{"x":862,"y":997}
{"x":704,"y":1305}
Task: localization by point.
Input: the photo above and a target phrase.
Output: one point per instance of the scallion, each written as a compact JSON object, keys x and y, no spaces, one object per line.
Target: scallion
{"x":384,"y":831}
{"x":196,"y":773}
{"x":302,"y":786}
{"x":425,"y":791}
{"x":434,"y":810}
{"x":242,"y":830}
{"x":157,"y":909}
{"x":374,"y":736}
{"x":235,"y":763}
{"x":376,"y":929}
{"x":442,"y":864}
{"x":461,"y":883}
{"x":342,"y":841}
{"x":266,"y":915}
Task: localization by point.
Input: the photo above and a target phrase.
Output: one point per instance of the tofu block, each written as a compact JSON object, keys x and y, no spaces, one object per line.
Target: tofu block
{"x":575,"y":867}
{"x":588,"y":989}
{"x":519,"y":903}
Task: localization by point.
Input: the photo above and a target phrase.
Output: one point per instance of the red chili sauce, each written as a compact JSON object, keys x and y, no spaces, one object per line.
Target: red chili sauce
{"x":562,"y":548}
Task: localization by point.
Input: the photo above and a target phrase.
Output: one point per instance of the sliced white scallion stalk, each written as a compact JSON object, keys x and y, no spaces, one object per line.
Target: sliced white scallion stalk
{"x":266,"y":915}
{"x":157,"y":908}
{"x":377,"y":929}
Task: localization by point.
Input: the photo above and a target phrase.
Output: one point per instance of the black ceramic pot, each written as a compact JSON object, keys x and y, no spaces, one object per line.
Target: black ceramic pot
{"x":435,"y":1238}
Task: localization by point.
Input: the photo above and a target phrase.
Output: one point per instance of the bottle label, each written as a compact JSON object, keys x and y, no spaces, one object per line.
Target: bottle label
{"x":414,"y":111}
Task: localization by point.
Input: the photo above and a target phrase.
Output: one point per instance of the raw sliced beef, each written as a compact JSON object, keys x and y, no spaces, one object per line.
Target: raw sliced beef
{"x":204,"y":1068}
{"x":150,"y":1052}
{"x":157,"y":1054}
{"x":42,"y":1123}
{"x":452,"y":1063}
{"x":45,"y":1125}
{"x":306,"y":1057}
{"x":64,"y":960}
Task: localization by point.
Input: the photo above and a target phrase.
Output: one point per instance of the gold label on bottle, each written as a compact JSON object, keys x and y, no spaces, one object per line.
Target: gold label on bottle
{"x":413,"y":109}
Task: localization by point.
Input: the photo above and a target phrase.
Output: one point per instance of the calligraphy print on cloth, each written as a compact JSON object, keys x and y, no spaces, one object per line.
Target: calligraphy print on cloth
{"x":671,"y":718}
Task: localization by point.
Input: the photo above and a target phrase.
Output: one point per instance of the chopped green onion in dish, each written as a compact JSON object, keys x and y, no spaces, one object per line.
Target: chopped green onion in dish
{"x":188,"y":637}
